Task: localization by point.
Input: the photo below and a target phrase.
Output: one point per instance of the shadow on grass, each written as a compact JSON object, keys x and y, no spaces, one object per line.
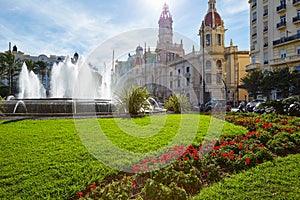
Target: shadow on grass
{"x":17,"y":120}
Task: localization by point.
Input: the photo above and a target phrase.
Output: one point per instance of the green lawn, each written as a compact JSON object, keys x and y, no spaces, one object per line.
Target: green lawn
{"x":47,"y":158}
{"x":271,"y":180}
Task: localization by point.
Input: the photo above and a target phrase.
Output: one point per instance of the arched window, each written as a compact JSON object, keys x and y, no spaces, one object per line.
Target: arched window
{"x":208,"y":64}
{"x":219,"y":64}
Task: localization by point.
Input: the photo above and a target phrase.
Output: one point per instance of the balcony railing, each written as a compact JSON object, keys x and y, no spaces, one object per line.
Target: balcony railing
{"x":281,"y":24}
{"x":254,"y":20}
{"x":296,"y":2}
{"x":289,"y":59}
{"x":252,"y":66}
{"x":254,"y":34}
{"x":265,"y":12}
{"x":286,"y":39}
{"x":266,"y":62}
{"x":254,"y":4}
{"x":296,"y":19}
{"x":266,"y":44}
{"x":280,"y":8}
{"x":265,"y":28}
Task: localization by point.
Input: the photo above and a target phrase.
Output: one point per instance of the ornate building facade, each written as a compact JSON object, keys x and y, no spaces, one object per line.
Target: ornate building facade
{"x":211,"y":72}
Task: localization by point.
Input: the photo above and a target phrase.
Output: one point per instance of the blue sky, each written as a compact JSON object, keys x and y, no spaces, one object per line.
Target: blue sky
{"x":62,"y":27}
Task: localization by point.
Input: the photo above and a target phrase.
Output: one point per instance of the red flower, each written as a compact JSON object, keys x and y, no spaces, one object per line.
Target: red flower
{"x":217,"y":148}
{"x":257,"y":120}
{"x":186,"y":158}
{"x":248,"y":161}
{"x":123,"y":181}
{"x":240,"y":146}
{"x":135,"y":169}
{"x":132,"y":183}
{"x":262,"y":145}
{"x":80,"y":194}
{"x":92,"y":186}
{"x":231,"y":142}
{"x":258,"y":134}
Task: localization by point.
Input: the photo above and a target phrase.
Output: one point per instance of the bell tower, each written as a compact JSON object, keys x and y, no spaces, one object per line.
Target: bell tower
{"x":165,"y":26}
{"x":212,"y":30}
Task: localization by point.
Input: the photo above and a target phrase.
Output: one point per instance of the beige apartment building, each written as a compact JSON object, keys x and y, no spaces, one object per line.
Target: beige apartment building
{"x":274,"y":35}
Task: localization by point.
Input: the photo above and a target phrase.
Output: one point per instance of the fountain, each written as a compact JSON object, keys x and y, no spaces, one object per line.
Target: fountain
{"x":69,"y":93}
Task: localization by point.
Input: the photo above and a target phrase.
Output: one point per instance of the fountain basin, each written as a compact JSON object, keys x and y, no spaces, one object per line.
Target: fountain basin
{"x":57,"y":107}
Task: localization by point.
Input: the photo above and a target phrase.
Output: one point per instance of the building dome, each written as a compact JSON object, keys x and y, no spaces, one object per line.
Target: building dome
{"x":139,"y":48}
{"x":212,"y":18}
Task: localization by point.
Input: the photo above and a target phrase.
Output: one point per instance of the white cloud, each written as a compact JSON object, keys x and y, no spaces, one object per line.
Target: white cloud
{"x":62,"y":27}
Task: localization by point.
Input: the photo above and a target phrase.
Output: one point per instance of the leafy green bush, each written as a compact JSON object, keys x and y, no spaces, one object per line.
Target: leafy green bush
{"x":177,"y":103}
{"x":134,"y":100}
{"x":4,"y":90}
{"x":157,"y":191}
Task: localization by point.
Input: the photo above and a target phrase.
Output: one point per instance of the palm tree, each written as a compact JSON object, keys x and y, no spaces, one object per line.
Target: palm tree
{"x":41,"y":67}
{"x":11,"y":67}
{"x":30,"y":65}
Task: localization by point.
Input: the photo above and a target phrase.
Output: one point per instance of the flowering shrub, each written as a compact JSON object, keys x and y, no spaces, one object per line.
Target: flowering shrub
{"x":199,"y":165}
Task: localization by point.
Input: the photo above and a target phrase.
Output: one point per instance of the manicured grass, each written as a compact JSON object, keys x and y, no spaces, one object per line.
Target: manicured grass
{"x":47,"y":158}
{"x":278,"y":179}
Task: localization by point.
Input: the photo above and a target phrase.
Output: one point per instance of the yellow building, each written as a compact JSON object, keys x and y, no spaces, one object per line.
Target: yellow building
{"x":226,"y":64}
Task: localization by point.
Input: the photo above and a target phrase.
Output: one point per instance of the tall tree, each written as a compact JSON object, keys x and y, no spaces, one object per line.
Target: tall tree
{"x":295,"y":82}
{"x":253,"y":82}
{"x":282,"y":81}
{"x":30,"y":65}
{"x":11,"y":67}
{"x":41,"y":67}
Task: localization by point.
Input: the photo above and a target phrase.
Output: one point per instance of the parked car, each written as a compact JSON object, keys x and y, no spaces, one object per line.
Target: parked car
{"x":250,"y":106}
{"x":216,"y":104}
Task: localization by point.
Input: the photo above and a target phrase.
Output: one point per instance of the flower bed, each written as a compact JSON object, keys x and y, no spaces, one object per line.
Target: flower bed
{"x":198,"y":166}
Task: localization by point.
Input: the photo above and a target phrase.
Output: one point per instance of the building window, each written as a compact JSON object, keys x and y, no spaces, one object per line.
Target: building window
{"x":208,"y":78}
{"x":254,"y":31}
{"x":219,"y":78}
{"x":178,"y":72}
{"x":265,"y":10}
{"x":265,"y":26}
{"x":171,"y":74}
{"x":219,"y":64}
{"x":187,"y":69}
{"x":282,"y":19}
{"x":254,"y":16}
{"x":178,"y":83}
{"x":208,"y":40}
{"x":158,"y":57}
{"x":266,"y":43}
{"x":171,"y":84}
{"x":266,"y":58}
{"x":298,"y":50}
{"x":283,"y":53}
{"x":187,"y":81}
{"x":219,"y":39}
{"x":208,"y":64}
